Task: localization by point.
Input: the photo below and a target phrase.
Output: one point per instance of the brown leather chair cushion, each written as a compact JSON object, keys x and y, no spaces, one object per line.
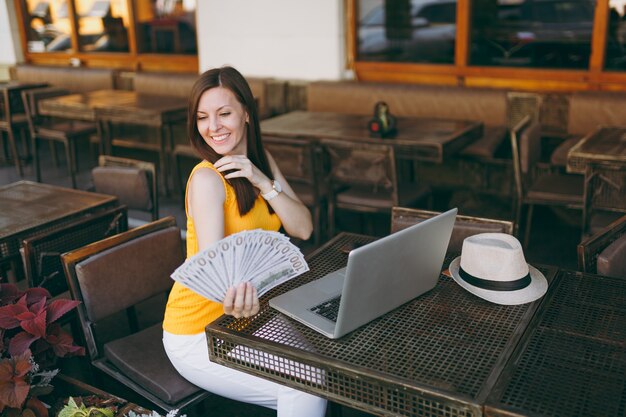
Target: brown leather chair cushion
{"x":612,"y":260}
{"x":408,"y":194}
{"x":119,"y":268}
{"x":142,"y":358}
{"x":588,"y":110}
{"x":130,"y":185}
{"x":486,"y":105}
{"x":566,"y":188}
{"x":62,"y":129}
{"x":486,"y":146}
{"x":559,"y":155}
{"x":74,"y":79}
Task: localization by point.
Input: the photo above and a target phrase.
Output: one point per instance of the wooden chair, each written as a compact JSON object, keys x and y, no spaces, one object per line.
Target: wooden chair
{"x":180,"y":152}
{"x":300,"y":162}
{"x":14,"y":123}
{"x":363,"y":179}
{"x":604,"y":253}
{"x":134,"y":182}
{"x":118,"y":275}
{"x":533,"y":188}
{"x":464,"y":226}
{"x":605,"y":195}
{"x":67,"y":132}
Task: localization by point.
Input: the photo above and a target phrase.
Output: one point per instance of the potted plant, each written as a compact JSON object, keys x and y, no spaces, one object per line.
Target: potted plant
{"x":30,"y":341}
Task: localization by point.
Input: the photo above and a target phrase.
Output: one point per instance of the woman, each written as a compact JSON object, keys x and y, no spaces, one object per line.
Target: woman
{"x":236,"y":187}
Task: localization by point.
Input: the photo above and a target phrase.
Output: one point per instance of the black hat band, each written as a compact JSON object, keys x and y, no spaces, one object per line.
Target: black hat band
{"x":487,"y":284}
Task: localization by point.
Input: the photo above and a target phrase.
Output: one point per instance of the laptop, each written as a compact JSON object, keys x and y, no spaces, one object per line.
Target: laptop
{"x":379,"y":277}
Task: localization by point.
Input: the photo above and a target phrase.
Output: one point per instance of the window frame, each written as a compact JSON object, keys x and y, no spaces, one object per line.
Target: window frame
{"x":131,"y":60}
{"x":462,"y":74}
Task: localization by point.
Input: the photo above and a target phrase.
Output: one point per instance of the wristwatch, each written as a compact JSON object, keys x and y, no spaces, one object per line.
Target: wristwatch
{"x":276,"y":188}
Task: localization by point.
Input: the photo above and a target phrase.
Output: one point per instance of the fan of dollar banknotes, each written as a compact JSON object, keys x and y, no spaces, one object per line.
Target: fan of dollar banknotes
{"x":264,"y":258}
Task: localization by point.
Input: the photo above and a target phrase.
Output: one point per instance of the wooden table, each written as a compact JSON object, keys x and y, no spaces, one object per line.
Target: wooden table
{"x":31,"y":207}
{"x":438,"y":355}
{"x":109,"y":107}
{"x":82,"y":106}
{"x":604,"y":144}
{"x":417,"y":139}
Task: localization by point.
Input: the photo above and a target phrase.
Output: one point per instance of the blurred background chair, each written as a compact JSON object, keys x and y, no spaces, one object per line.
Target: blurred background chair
{"x":134,"y":182}
{"x":605,"y":195}
{"x":464,"y":226}
{"x":538,"y":188}
{"x":41,"y":253}
{"x":66,"y":132}
{"x":300,"y":162}
{"x":181,"y":152}
{"x":115,"y":277}
{"x":363,"y":179}
{"x":14,"y":124}
{"x":604,"y":252}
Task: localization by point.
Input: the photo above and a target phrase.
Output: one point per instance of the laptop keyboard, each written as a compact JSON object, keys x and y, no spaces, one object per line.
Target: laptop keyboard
{"x":328,"y":309}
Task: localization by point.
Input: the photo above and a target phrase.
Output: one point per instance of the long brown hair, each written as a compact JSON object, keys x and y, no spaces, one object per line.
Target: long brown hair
{"x":231,"y":79}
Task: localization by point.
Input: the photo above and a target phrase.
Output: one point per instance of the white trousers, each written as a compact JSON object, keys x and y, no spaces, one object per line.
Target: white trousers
{"x":190,"y":356}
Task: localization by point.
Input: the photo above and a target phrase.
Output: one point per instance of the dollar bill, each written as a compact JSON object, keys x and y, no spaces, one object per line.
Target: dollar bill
{"x":263,"y":258}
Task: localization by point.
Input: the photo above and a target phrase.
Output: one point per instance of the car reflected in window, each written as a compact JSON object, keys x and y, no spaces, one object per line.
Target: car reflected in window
{"x":533,"y":33}
{"x":423,"y":32}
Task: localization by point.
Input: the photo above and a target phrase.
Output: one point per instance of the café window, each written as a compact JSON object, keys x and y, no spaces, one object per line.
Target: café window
{"x":48,"y":26}
{"x":615,"y":55}
{"x":406,"y":31}
{"x":532,"y":33}
{"x":166,"y":26}
{"x":102,"y":25}
{"x":124,"y":34}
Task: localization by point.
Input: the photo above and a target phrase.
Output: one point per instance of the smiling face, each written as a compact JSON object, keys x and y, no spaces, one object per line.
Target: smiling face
{"x":221,"y":121}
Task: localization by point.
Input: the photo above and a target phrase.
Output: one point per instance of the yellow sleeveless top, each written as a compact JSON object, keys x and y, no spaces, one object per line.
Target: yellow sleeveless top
{"x":187,"y":312}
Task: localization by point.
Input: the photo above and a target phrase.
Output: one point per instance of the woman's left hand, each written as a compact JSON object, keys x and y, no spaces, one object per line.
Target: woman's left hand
{"x":241,"y":301}
{"x":243,"y":168}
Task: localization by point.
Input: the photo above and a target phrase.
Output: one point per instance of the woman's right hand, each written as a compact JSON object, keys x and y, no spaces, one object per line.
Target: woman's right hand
{"x":241,"y":301}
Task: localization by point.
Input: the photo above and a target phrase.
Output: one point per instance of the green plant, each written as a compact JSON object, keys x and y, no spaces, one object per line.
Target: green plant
{"x":74,"y":410}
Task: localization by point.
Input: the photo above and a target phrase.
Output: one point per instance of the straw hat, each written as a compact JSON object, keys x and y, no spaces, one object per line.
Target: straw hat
{"x":492,"y":266}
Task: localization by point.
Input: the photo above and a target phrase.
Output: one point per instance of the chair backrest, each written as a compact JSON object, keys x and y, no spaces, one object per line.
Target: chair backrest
{"x":605,"y":189}
{"x":604,"y":252}
{"x":134,"y":182}
{"x":10,"y":106}
{"x":364,"y":165}
{"x":42,"y":252}
{"x":296,"y":158}
{"x":464,"y":226}
{"x":526,"y":150}
{"x":117,"y":273}
{"x":31,"y":98}
{"x":521,"y":104}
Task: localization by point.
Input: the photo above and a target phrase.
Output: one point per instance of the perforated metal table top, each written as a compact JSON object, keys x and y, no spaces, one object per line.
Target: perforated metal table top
{"x":572,"y":359}
{"x":438,"y":355}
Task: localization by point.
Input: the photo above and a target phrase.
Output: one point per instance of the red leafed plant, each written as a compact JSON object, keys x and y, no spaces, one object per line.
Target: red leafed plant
{"x":29,"y":335}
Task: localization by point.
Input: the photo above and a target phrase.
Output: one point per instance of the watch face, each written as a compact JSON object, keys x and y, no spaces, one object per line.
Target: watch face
{"x":277,"y":186}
